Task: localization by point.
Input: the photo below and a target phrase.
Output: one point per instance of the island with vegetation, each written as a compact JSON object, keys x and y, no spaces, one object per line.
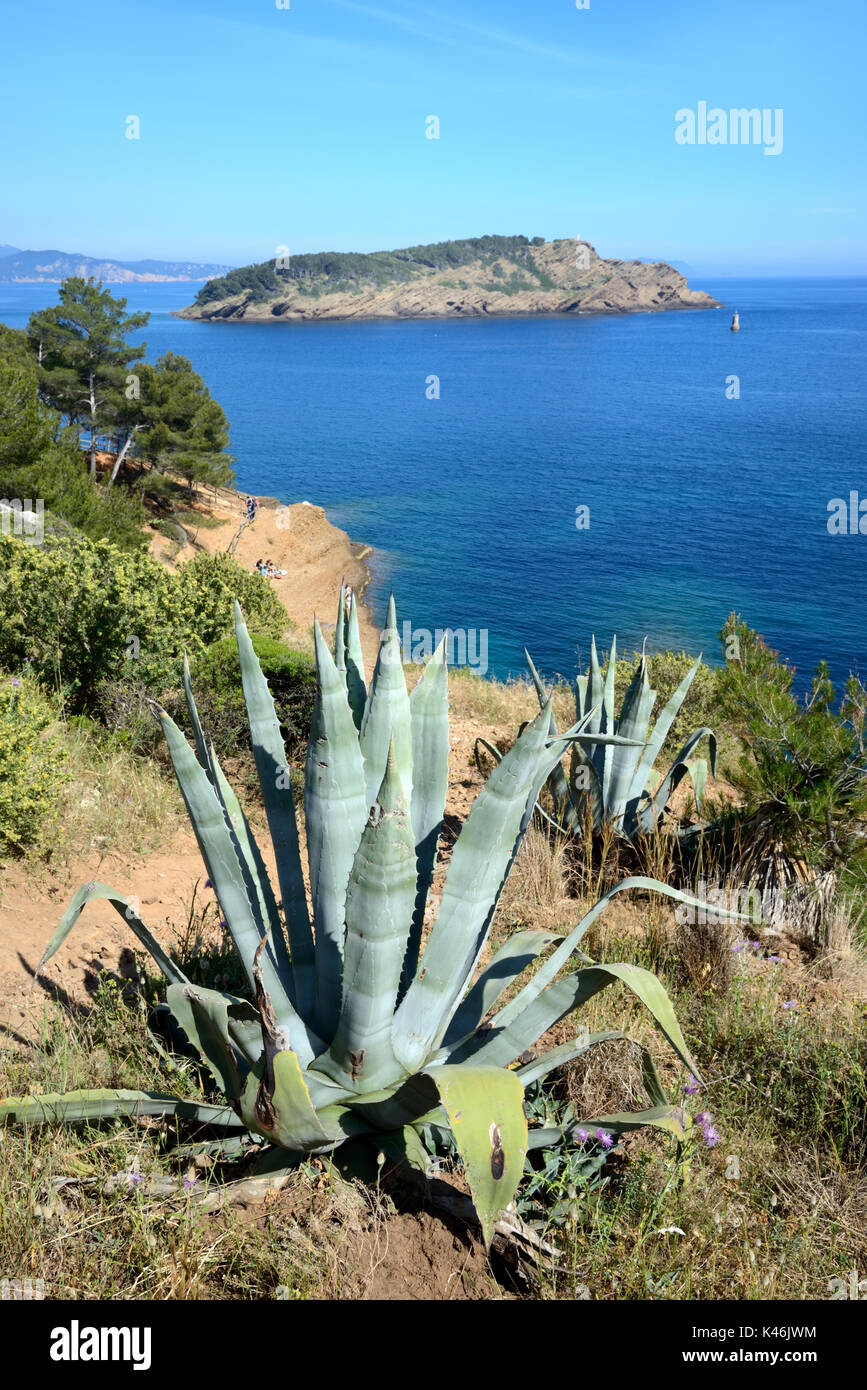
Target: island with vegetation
{"x":478,"y":276}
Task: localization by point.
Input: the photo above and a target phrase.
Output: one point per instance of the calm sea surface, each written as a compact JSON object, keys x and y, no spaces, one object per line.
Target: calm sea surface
{"x":699,"y":504}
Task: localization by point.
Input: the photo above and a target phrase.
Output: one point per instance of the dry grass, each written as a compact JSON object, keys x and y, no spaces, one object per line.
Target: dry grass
{"x":115,"y":800}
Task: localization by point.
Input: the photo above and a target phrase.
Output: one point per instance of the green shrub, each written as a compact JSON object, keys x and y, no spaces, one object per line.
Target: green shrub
{"x":291,"y":677}
{"x":32,"y":764}
{"x":665,"y":671}
{"x":86,"y":612}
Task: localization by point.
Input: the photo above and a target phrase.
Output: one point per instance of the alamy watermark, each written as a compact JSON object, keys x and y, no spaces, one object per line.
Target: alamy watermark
{"x":738,"y":126}
{"x":463,"y":646}
{"x":848,"y":518}
{"x":24,"y":518}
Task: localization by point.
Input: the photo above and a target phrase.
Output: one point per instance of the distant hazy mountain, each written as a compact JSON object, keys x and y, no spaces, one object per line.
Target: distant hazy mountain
{"x":38,"y":267}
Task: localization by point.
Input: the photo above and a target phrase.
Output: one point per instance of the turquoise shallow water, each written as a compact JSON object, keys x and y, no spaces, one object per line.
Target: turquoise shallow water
{"x":699,"y":504}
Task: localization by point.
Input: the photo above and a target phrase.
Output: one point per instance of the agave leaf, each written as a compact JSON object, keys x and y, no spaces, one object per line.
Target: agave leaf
{"x":609,"y":725}
{"x":218,"y":851}
{"x":356,"y":685}
{"x":510,"y":1036}
{"x":485,"y":1107}
{"x":336,"y":809}
{"x":198,"y":732}
{"x":272,"y":770}
{"x":387,"y":715}
{"x":206,"y":1018}
{"x":379,"y":905}
{"x":340,"y":632}
{"x":89,"y":892}
{"x":680,"y":767}
{"x":510,"y":961}
{"x":560,"y":1056}
{"x":558,"y":959}
{"x":405,"y":1146}
{"x":76,"y":1106}
{"x":276,"y":1104}
{"x":652,"y":1082}
{"x":670,"y":1118}
{"x":634,"y":721}
{"x":258,"y":884}
{"x":660,"y":731}
{"x":486,"y":846}
{"x":429,"y":710}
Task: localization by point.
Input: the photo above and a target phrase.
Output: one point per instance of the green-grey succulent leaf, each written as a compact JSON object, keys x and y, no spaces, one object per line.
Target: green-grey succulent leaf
{"x":356,"y":684}
{"x":659,"y":733}
{"x":488,"y":842}
{"x":340,"y":632}
{"x":555,"y":1057}
{"x":256,"y":880}
{"x":276,"y":1104}
{"x":633,"y":724}
{"x":485,"y":1107}
{"x":559,"y":958}
{"x":379,"y":906}
{"x":405,"y":1146}
{"x":670,"y":1118}
{"x":275,"y":782}
{"x":201,"y":742}
{"x":651,"y":1078}
{"x":206,"y":1017}
{"x":77,"y":1106}
{"x":681,"y":766}
{"x":511,"y":1033}
{"x":88,"y":893}
{"x":215,"y":841}
{"x":387,"y":715}
{"x":336,"y":809}
{"x":429,"y":711}
{"x":511,"y":960}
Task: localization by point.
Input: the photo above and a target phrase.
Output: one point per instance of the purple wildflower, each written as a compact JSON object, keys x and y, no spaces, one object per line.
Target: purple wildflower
{"x":190,"y":1182}
{"x":15,"y":680}
{"x":604,"y":1138}
{"x":692,"y":1087}
{"x":581,"y":1136}
{"x":134,"y":1179}
{"x":738,"y":946}
{"x":703,"y":1119}
{"x":790,"y":1004}
{"x":711,"y":1138}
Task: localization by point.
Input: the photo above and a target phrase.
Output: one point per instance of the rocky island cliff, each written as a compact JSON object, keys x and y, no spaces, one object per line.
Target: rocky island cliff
{"x":471,"y":278}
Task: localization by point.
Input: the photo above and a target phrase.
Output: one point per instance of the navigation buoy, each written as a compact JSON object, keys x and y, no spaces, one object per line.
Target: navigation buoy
{"x":736,"y":323}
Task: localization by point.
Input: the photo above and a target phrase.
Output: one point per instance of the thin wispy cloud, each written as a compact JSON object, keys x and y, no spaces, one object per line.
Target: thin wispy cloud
{"x":448,"y":29}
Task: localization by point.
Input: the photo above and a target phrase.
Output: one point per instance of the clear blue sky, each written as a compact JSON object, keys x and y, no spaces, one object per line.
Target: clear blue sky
{"x":305,"y":127}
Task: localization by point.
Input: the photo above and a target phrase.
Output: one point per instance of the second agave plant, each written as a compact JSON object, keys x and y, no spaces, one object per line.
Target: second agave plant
{"x":355,"y":1027}
{"x":614,"y":782}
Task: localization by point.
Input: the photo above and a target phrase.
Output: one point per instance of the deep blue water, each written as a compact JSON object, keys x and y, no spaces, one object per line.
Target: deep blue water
{"x":698,"y":504}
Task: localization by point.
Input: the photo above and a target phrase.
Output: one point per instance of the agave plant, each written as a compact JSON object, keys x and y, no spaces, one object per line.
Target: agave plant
{"x":357,"y":1033}
{"x":615,"y":784}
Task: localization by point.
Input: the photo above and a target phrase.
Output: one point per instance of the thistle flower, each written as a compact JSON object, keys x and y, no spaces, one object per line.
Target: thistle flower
{"x":692,"y":1087}
{"x":711,"y":1138}
{"x":604,"y":1138}
{"x":581,"y":1136}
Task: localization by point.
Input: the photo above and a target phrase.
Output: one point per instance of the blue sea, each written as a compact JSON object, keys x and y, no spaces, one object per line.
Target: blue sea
{"x":707,"y":460}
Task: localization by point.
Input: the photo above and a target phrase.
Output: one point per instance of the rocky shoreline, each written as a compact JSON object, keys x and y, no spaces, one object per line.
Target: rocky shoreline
{"x":571,"y":279}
